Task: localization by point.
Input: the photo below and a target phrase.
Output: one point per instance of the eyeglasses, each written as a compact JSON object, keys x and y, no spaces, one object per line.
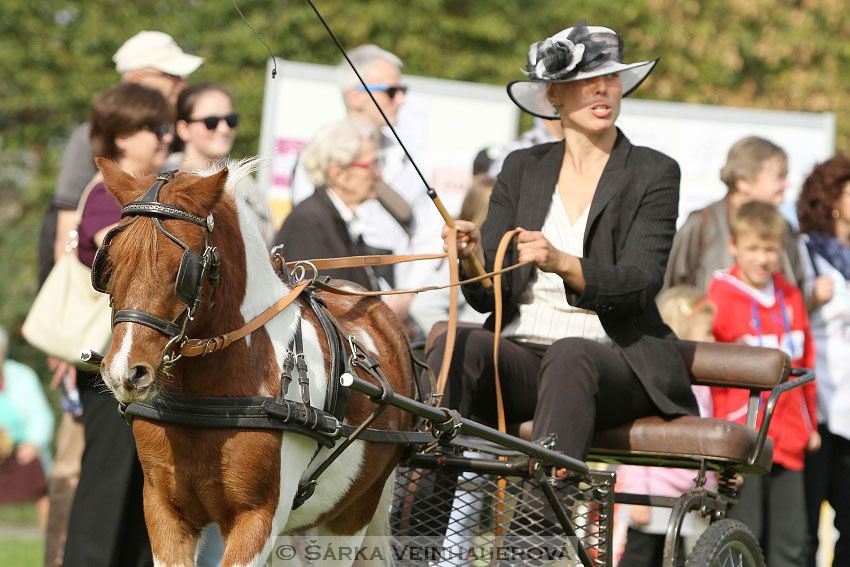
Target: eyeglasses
{"x":211,"y":122}
{"x":391,"y":91}
{"x":161,"y":130}
{"x":370,"y":165}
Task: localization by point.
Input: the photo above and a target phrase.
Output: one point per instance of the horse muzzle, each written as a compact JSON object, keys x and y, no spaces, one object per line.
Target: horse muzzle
{"x":137,"y":384}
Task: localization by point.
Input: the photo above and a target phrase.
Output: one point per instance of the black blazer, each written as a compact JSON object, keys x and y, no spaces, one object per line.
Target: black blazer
{"x":630,"y":229}
{"x":314,"y":229}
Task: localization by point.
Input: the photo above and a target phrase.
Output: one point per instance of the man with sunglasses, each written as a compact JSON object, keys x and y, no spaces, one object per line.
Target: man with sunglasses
{"x":381,"y":70}
{"x":398,"y":213}
{"x":152,"y":59}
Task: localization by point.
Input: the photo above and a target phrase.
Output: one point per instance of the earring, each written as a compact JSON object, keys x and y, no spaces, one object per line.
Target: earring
{"x":835,"y":213}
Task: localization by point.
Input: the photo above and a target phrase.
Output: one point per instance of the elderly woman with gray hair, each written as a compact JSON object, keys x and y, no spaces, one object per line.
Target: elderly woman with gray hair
{"x":342,"y":163}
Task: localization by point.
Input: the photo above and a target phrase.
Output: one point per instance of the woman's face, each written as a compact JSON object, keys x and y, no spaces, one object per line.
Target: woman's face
{"x":145,"y":150}
{"x":202,"y":142}
{"x":769,"y":184}
{"x":590,"y":105}
{"x":355,"y":183}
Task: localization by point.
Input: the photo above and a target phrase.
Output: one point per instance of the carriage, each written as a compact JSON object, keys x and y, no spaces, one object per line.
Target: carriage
{"x":298,"y":428}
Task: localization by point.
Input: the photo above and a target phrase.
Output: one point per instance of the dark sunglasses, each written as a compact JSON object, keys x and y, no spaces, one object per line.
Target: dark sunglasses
{"x":161,"y":130}
{"x":211,"y":122}
{"x":381,"y":88}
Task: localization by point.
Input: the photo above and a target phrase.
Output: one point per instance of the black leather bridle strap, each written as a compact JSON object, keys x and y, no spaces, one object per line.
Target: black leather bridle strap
{"x":161,"y":210}
{"x":168,"y":328}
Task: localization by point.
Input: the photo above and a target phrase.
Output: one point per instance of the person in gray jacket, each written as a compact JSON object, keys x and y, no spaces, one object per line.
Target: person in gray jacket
{"x":756,"y":169}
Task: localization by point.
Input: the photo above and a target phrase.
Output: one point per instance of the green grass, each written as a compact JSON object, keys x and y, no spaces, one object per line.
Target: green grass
{"x":21,"y":552}
{"x":21,"y":543}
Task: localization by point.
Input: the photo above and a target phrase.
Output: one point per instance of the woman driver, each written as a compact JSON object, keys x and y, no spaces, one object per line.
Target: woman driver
{"x":582,"y":345}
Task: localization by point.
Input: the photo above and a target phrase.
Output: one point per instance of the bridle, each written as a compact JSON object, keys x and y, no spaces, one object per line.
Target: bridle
{"x":194,"y":268}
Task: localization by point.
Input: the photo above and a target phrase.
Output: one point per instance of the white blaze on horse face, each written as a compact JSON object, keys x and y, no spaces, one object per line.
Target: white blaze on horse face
{"x":119,"y":366}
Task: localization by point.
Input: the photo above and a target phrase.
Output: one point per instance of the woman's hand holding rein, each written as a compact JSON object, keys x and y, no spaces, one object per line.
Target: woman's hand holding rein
{"x":533,"y":247}
{"x":468,"y":244}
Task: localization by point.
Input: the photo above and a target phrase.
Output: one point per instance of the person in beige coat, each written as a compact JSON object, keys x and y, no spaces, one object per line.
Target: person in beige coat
{"x":756,"y":170}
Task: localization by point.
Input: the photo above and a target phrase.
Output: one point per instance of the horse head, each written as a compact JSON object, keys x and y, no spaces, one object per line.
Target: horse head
{"x":160,"y":266}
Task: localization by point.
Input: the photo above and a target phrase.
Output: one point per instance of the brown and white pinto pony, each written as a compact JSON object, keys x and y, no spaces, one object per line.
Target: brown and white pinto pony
{"x":242,"y":480}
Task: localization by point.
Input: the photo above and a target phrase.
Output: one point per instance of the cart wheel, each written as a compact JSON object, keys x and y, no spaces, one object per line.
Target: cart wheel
{"x":727,"y":543}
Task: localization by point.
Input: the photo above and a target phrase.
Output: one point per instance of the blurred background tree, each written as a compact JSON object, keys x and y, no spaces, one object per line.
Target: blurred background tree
{"x":778,"y":54}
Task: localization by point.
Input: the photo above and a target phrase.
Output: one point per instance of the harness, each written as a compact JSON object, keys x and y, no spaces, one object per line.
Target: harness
{"x":324,"y":426}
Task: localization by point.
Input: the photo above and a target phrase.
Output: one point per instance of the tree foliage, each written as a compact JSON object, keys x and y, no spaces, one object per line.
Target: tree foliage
{"x":781,"y":54}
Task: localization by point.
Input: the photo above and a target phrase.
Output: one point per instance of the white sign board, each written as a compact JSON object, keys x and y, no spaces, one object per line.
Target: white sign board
{"x":699,"y":138}
{"x":443,"y":124}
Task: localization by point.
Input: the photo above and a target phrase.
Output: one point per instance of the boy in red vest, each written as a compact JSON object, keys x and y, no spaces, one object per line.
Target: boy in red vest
{"x":757,"y":306}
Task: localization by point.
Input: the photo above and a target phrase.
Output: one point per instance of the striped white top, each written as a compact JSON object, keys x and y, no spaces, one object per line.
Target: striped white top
{"x":544,"y":314}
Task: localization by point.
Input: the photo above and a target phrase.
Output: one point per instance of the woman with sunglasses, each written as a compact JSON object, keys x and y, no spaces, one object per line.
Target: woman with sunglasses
{"x":131,"y":125}
{"x":206,"y":129}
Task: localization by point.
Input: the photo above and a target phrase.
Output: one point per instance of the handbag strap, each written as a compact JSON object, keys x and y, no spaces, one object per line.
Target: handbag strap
{"x":84,"y":197}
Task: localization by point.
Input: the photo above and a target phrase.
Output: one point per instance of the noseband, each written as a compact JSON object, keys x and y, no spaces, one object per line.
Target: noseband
{"x":190,"y":276}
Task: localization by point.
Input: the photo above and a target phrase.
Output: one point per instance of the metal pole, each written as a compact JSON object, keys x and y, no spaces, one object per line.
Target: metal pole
{"x":466,"y":426}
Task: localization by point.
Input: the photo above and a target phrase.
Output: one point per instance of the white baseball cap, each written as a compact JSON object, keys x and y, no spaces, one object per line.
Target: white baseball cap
{"x":155,"y":49}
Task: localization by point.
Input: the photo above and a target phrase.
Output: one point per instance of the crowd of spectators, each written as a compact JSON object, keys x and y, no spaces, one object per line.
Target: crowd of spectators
{"x":736,"y":271}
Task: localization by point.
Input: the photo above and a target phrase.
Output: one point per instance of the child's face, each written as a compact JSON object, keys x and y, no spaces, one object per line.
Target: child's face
{"x":757,"y":257}
{"x":700,"y":328}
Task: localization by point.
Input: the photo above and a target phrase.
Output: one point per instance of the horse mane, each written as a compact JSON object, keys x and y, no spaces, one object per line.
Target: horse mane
{"x":237,"y":170}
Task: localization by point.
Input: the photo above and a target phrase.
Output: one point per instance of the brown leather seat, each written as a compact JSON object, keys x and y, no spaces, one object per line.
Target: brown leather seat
{"x":686,"y":441}
{"x":681,"y":442}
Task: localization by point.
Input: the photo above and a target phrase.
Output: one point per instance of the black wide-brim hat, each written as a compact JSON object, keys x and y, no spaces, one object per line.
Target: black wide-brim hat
{"x":574,"y":54}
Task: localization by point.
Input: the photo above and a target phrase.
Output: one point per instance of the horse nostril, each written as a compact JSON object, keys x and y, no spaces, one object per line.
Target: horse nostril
{"x":138,"y":377}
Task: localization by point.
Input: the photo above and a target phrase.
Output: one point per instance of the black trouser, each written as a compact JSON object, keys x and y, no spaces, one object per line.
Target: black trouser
{"x":571,"y":388}
{"x":827,"y":477}
{"x":773,"y":507}
{"x":645,"y":549}
{"x":107,"y":524}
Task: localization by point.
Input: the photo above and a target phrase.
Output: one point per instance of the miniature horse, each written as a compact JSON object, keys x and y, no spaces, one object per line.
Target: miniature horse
{"x":242,"y":480}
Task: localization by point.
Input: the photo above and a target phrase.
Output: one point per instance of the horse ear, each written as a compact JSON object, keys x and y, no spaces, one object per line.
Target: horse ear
{"x":118,"y":182}
{"x":208,"y":191}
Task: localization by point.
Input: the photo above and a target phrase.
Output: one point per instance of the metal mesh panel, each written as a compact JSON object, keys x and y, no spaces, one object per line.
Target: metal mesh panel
{"x":462,"y":516}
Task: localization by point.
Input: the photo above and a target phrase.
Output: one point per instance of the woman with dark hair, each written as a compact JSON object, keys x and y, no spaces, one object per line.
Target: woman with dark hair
{"x":206,"y":129}
{"x":823,"y":210}
{"x":133,"y":126}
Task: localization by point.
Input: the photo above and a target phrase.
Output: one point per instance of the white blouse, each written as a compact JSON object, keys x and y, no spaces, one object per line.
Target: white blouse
{"x":544,"y":314}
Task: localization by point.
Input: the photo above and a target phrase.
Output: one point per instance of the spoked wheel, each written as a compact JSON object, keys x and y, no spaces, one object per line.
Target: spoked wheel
{"x":727,"y":543}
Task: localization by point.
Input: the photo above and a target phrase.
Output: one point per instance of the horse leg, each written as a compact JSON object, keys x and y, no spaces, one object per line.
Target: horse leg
{"x":246,"y":539}
{"x":173,"y":540}
{"x":336,"y":550}
{"x":349,"y":549}
{"x":378,"y":535}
